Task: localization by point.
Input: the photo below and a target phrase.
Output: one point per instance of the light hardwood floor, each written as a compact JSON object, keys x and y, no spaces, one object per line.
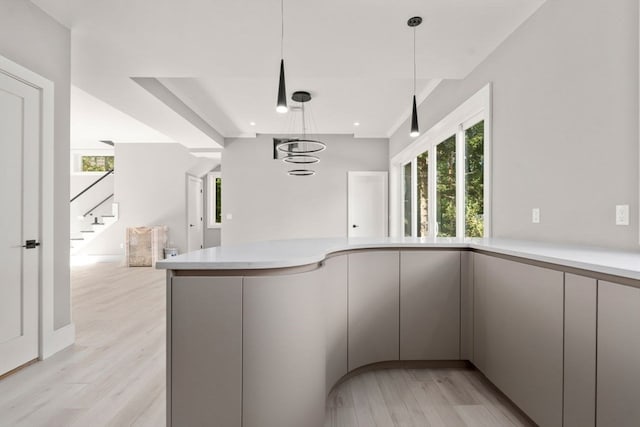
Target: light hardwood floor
{"x":115,"y":373}
{"x":421,"y":398}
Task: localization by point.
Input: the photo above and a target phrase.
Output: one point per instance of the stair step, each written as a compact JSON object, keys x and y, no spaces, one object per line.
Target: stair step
{"x":87,"y":231}
{"x":108,"y":216}
{"x":77,"y":238}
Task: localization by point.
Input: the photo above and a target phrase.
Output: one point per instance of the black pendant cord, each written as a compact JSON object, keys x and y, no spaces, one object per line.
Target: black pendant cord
{"x":414,"y":62}
{"x":282,"y":29}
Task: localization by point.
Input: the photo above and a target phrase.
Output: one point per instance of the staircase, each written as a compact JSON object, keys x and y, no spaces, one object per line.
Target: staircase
{"x":94,"y":228}
{"x":93,"y":221}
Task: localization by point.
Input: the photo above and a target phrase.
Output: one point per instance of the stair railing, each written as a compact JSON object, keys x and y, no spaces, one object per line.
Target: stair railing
{"x":97,"y":206}
{"x":92,"y":184}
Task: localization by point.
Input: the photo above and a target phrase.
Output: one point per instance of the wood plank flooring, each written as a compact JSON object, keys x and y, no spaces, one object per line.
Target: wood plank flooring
{"x":115,"y":373}
{"x":421,"y":398}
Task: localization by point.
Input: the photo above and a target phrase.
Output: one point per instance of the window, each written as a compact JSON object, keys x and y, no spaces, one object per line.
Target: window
{"x":443,"y":176}
{"x":422,"y":202}
{"x":214,"y":200}
{"x":407,"y":171}
{"x":446,"y":188}
{"x":96,"y":163}
{"x":474,"y":180}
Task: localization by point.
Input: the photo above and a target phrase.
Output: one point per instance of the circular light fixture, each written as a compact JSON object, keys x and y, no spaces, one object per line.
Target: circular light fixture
{"x":301,"y":146}
{"x":356,"y":123}
{"x":301,"y":159}
{"x":252,"y":123}
{"x":301,"y":172}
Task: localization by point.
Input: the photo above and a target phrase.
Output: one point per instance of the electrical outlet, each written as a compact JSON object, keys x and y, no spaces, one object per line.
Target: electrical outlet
{"x":622,"y":214}
{"x":229,"y":216}
{"x":535,"y":215}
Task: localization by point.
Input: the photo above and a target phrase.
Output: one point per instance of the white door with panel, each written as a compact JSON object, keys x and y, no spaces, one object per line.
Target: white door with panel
{"x":20,"y":178}
{"x":367,"y":204}
{"x":195,"y":214}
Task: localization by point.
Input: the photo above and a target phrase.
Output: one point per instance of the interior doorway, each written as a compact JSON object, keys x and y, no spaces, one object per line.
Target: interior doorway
{"x":195,"y":214}
{"x":367,"y":204}
{"x":20,"y":120}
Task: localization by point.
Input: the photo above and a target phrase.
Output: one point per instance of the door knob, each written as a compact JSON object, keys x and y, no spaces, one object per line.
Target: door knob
{"x":31,"y":244}
{"x":355,"y":226}
{"x":191,"y":225}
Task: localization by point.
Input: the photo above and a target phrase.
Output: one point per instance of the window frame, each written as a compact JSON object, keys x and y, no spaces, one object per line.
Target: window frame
{"x":475,"y":109}
{"x":212,"y":200}
{"x":77,"y":155}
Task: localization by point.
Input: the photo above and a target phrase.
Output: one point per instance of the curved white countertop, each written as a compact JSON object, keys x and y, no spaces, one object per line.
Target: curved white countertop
{"x":293,"y":253}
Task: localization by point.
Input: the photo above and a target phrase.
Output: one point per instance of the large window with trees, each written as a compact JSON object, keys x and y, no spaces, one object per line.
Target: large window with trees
{"x":443,"y":176}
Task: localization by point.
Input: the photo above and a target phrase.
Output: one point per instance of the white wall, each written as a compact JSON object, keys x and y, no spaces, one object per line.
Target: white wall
{"x":34,"y":40}
{"x":150,"y":187}
{"x":565,"y":123}
{"x":268,"y":204}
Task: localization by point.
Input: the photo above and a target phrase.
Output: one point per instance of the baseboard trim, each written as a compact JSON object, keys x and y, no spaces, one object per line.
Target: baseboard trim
{"x":58,"y":340}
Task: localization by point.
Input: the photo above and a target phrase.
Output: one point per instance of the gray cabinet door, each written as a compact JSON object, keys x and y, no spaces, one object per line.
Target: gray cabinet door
{"x":373,"y":307}
{"x":518,"y":337}
{"x":284,"y":358}
{"x":618,"y":355}
{"x":579,"y":351}
{"x":335,"y":293}
{"x":429,"y":305}
{"x":206,"y":351}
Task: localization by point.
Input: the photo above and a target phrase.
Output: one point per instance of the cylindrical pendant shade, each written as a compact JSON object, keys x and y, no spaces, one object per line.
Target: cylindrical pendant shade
{"x":281,"y":107}
{"x":415,"y":130}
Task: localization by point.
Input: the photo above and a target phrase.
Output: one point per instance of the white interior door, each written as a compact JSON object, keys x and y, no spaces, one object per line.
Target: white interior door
{"x":20,"y":189}
{"x":367,"y":204}
{"x":195,"y":214}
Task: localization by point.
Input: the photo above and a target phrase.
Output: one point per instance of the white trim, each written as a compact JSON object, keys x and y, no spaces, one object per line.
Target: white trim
{"x":212,"y":200}
{"x":51,"y":340}
{"x":59,"y":340}
{"x":477,"y":108}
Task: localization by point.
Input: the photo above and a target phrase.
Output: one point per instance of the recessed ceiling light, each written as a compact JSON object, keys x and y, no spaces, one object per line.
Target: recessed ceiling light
{"x":356,"y":123}
{"x":252,"y":123}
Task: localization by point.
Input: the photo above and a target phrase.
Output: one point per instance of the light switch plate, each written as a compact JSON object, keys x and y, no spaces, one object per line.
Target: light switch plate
{"x":229,"y":216}
{"x":622,"y":214}
{"x":535,"y":215}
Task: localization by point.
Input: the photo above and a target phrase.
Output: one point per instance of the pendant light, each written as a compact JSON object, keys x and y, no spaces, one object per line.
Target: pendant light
{"x":415,"y":129}
{"x":281,"y":105}
{"x":300,"y":150}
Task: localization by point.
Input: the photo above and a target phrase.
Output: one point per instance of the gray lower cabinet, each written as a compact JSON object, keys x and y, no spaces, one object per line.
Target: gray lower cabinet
{"x":518,"y":334}
{"x":205,"y":351}
{"x":335,"y":297}
{"x":618,"y":355}
{"x":284,"y":351}
{"x":373,"y":307}
{"x":429,"y":305}
{"x":579,"y":351}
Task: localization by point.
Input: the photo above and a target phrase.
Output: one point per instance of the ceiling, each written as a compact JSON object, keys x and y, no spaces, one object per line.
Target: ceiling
{"x":213,"y":65}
